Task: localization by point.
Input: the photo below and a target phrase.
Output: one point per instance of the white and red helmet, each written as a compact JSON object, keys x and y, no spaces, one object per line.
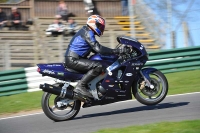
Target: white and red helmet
{"x":97,"y":23}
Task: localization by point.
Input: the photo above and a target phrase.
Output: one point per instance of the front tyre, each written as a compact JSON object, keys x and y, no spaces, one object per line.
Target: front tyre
{"x":59,"y":109}
{"x":148,"y":96}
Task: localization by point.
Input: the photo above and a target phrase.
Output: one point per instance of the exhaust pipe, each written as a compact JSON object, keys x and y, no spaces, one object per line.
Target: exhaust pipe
{"x":62,"y":92}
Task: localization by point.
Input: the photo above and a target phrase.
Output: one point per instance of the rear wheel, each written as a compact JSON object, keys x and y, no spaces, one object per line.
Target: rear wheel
{"x":151,"y":96}
{"x":59,"y":109}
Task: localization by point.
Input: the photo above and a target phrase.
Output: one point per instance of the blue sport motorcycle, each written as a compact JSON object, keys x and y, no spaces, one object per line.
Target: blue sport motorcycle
{"x":123,"y":77}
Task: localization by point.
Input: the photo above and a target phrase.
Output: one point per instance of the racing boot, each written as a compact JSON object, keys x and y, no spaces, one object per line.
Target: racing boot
{"x":82,"y":87}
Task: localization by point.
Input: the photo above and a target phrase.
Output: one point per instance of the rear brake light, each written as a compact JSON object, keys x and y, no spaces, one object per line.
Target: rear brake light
{"x":38,"y":70}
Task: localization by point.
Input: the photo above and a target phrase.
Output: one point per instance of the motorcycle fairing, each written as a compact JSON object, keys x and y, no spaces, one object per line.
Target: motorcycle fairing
{"x":134,"y":43}
{"x":118,"y":89}
{"x":121,"y":85}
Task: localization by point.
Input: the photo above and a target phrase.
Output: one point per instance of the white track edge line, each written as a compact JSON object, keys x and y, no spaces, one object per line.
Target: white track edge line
{"x":116,"y":102}
{"x":21,"y":116}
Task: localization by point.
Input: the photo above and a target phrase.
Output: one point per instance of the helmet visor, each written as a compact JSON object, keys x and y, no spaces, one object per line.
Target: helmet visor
{"x":100,"y":27}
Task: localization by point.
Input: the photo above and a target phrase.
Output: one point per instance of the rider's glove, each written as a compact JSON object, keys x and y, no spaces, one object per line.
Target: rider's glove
{"x":122,"y":50}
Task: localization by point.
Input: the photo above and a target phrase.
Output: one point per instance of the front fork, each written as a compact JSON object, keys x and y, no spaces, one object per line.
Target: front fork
{"x":145,"y":74}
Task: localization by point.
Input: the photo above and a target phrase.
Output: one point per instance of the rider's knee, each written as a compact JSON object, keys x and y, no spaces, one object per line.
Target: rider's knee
{"x":99,"y":68}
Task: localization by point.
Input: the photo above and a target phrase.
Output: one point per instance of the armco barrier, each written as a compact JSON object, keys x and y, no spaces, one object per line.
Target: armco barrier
{"x":12,"y":82}
{"x":19,"y":81}
{"x":175,"y":60}
{"x":28,"y":79}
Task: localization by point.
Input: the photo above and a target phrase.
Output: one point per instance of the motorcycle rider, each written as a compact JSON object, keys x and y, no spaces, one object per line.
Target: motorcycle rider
{"x":80,"y":46}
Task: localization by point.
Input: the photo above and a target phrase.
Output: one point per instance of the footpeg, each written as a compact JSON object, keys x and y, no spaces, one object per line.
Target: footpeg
{"x":80,"y":97}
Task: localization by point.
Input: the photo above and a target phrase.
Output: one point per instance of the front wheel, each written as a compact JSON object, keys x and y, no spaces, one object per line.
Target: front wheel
{"x":151,"y":96}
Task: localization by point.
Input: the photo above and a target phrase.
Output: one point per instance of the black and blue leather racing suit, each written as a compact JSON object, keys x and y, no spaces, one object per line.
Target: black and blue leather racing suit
{"x":80,"y":47}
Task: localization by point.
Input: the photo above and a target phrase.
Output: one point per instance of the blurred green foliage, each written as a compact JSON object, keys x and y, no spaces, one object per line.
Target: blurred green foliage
{"x":2,"y":1}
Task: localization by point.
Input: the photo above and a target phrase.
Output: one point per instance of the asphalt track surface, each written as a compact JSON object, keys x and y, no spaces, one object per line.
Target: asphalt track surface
{"x":122,"y":114}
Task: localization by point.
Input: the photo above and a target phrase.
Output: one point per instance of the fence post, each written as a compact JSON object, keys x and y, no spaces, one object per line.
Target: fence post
{"x":35,"y":41}
{"x":131,"y":7}
{"x":112,"y":39}
{"x":32,"y":8}
{"x":185,"y":34}
{"x":60,"y":39}
{"x":2,"y":57}
{"x":7,"y":56}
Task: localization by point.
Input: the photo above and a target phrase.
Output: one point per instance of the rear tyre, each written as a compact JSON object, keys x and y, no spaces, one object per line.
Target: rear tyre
{"x":59,"y":109}
{"x":148,"y":96}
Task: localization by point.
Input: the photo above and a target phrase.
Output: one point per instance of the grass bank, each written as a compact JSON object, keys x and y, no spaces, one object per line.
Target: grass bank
{"x":181,"y":82}
{"x":191,"y":126}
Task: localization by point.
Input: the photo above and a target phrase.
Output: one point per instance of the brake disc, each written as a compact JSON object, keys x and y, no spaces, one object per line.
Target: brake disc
{"x":147,"y":90}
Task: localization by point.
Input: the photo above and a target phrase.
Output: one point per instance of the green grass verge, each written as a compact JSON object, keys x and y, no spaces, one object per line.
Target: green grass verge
{"x":191,"y":126}
{"x":181,"y":82}
{"x":20,"y":102}
{"x":184,"y":82}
